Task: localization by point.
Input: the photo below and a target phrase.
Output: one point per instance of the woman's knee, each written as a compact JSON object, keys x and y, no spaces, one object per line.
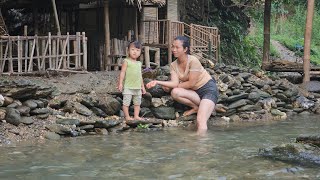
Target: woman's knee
{"x":175,"y":92}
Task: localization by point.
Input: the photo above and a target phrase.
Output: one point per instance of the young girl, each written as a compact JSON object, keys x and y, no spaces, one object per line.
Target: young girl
{"x":133,"y":86}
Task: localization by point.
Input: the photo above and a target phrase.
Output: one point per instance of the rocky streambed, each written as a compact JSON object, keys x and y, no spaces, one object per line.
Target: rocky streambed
{"x":35,"y":109}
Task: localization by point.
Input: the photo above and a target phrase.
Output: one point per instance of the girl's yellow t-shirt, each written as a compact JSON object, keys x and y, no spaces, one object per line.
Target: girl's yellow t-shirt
{"x":133,"y":74}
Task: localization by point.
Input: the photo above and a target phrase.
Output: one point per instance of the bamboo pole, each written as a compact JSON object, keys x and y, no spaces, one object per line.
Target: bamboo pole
{"x":1,"y":56}
{"x":169,"y":43}
{"x":307,"y":41}
{"x":10,"y":57}
{"x":147,"y":56}
{"x":84,"y":41}
{"x":78,"y":63}
{"x":107,"y":59}
{"x":266,"y":32}
{"x":30,"y":68}
{"x":56,"y":16}
{"x":19,"y":55}
{"x":50,"y":49}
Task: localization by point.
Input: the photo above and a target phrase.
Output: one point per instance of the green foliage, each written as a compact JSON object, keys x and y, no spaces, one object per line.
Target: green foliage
{"x":292,"y":29}
{"x":143,"y":126}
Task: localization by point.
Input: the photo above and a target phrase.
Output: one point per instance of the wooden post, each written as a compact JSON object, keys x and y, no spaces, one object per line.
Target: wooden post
{"x":35,"y":17}
{"x":25,"y":30}
{"x":56,"y":16}
{"x":84,"y":41}
{"x":136,"y":27}
{"x":50,"y":51}
{"x":78,"y":64}
{"x":107,"y":59}
{"x":157,"y":57}
{"x":307,"y":41}
{"x":1,"y":56}
{"x":147,"y":56}
{"x":266,"y":32}
{"x":10,"y":56}
{"x":169,"y":42}
{"x":38,"y":51}
{"x":19,"y":55}
{"x":54,"y":52}
{"x":141,"y":35}
{"x":32,"y":46}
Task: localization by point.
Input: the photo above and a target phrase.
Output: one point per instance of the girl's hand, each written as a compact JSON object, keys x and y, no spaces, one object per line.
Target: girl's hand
{"x":120,"y":87}
{"x":143,"y":91}
{"x":151,"y":84}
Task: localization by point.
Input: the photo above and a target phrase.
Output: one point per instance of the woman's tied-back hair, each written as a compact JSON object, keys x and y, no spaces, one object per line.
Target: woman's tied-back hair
{"x":136,"y":44}
{"x":185,"y":42}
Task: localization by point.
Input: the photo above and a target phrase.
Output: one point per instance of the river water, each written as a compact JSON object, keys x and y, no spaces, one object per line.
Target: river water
{"x":225,"y":153}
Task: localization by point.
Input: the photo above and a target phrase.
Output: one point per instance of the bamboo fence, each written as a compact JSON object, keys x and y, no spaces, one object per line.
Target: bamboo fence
{"x":34,"y":54}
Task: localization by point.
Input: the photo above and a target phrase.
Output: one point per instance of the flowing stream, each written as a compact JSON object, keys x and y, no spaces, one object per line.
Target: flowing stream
{"x":225,"y":153}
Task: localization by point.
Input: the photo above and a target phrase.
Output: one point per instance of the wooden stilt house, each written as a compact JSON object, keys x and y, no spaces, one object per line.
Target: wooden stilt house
{"x":93,"y":34}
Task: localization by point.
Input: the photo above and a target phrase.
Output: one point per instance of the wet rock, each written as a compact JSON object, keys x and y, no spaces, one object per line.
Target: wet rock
{"x":109,"y":105}
{"x":304,"y":102}
{"x":43,"y":116}
{"x":101,"y":131}
{"x":15,"y":104}
{"x":40,"y":111}
{"x":13,"y":116}
{"x":56,"y":103}
{"x":81,"y":109}
{"x":98,"y":112}
{"x":164,"y":112}
{"x":69,"y":107}
{"x":157,"y":91}
{"x":135,"y":123}
{"x":24,"y":110}
{"x":238,"y":104}
{"x":237,"y":97}
{"x":40,"y":104}
{"x":59,"y":129}
{"x":106,"y":123}
{"x":309,"y":139}
{"x":249,"y":108}
{"x":68,"y":121}
{"x":145,"y":112}
{"x":293,"y":152}
{"x":146,"y":100}
{"x":254,"y":96}
{"x":187,"y":118}
{"x":86,"y":127}
{"x":88,"y":101}
{"x":31,"y":104}
{"x":27,"y":120}
{"x":2,"y":113}
{"x":7,"y":101}
{"x":312,"y":86}
{"x":52,"y":136}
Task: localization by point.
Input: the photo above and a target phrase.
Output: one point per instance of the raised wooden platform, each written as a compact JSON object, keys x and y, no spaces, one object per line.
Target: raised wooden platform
{"x":287,"y":66}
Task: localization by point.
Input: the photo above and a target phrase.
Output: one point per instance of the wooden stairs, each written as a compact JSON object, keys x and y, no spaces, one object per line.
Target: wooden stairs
{"x":204,"y":40}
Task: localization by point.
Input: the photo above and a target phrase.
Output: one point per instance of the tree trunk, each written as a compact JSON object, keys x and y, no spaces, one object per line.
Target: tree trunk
{"x":307,"y":41}
{"x":266,"y":32}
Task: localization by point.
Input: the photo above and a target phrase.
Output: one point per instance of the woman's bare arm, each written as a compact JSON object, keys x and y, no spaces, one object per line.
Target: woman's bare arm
{"x":173,"y":83}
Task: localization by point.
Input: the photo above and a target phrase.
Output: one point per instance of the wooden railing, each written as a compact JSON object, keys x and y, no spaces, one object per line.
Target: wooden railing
{"x":203,"y":39}
{"x":33,"y":54}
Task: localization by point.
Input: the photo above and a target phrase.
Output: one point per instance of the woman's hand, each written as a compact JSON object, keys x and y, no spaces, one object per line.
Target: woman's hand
{"x":151,"y":84}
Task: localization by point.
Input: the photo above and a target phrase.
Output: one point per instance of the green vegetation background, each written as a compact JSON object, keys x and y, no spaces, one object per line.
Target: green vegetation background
{"x":287,"y":26}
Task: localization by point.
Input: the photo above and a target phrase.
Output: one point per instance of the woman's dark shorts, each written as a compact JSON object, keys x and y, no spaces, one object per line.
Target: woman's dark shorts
{"x":209,"y":91}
